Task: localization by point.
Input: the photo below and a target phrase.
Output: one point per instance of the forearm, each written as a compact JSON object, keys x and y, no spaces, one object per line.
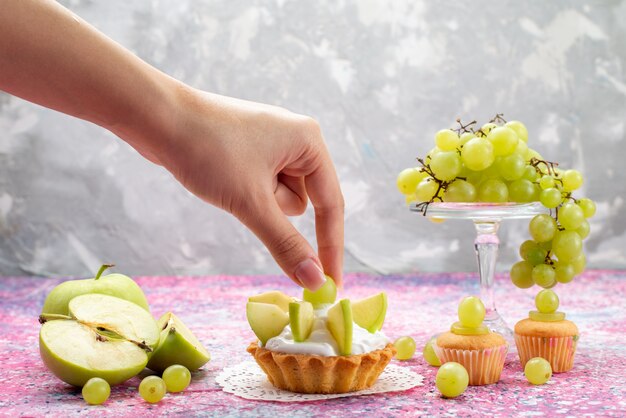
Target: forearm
{"x":51,"y":57}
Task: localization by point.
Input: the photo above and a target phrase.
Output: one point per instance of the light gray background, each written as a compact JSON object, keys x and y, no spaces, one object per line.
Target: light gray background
{"x":380,"y":76}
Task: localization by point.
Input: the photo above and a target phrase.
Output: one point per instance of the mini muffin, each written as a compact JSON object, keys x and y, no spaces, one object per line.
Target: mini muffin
{"x":473,"y":345}
{"x":547,"y":334}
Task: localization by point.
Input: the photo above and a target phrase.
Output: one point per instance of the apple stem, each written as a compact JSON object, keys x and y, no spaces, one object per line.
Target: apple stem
{"x":102,"y":268}
{"x":43,"y":318}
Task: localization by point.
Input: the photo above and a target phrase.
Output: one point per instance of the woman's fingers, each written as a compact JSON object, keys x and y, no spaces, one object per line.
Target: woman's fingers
{"x":290,"y":250}
{"x":291,"y":195}
{"x":324,"y":191}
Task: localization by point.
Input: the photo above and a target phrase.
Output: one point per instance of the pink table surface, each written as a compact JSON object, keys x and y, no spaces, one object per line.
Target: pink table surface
{"x":419,"y":305}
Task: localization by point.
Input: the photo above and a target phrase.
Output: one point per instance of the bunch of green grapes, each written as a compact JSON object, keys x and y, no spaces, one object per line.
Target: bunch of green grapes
{"x":495,"y":164}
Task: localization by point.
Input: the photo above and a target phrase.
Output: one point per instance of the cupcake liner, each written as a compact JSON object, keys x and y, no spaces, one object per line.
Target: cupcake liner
{"x":483,"y":366}
{"x":306,"y":373}
{"x":559,"y":351}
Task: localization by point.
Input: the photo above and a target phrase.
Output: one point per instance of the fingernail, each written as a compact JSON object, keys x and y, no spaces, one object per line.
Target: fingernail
{"x":310,"y":275}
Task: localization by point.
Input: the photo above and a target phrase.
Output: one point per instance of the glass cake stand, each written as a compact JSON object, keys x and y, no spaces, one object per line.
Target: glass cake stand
{"x":486,"y":218}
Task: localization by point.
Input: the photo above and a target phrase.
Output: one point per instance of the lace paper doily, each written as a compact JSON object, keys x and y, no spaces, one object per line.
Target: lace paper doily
{"x":248,"y":381}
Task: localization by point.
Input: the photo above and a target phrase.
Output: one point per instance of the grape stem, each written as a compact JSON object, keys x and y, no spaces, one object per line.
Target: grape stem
{"x":464,"y":128}
{"x":423,"y":206}
{"x":535,"y":162}
{"x":498,"y":118}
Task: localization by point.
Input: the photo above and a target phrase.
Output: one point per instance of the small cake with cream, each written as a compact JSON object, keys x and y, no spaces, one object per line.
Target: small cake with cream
{"x":318,"y":345}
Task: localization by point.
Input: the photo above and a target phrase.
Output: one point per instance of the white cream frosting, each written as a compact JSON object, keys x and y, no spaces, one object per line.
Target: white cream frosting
{"x":322,"y":343}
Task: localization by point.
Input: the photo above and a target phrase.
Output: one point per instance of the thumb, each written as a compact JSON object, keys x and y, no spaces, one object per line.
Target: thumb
{"x":288,"y":247}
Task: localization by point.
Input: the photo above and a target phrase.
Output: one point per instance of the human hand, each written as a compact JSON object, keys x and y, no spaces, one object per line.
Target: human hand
{"x":261,"y":163}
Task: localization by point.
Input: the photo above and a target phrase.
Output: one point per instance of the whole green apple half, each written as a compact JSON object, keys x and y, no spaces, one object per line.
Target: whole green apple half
{"x":177,"y":345}
{"x":104,"y":336}
{"x":112,"y":284}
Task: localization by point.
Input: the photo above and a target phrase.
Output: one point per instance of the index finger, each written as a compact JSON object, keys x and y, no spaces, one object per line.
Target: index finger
{"x":325,"y":193}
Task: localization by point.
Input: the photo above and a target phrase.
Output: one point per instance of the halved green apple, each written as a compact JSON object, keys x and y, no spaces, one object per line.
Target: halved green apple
{"x":266,"y":320}
{"x":104,"y":336}
{"x":369,"y":313}
{"x":117,"y":285}
{"x":177,"y":345}
{"x":326,"y":294}
{"x":301,"y":319}
{"x":339,"y":324}
{"x":274,"y":297}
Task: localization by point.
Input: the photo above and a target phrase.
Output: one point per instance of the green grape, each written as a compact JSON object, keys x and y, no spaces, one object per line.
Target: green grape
{"x":583,"y":229}
{"x":547,"y":301}
{"x":536,"y":255}
{"x":492,"y":171}
{"x":96,"y":391}
{"x":410,"y":198}
{"x":543,"y":275}
{"x":538,"y":371}
{"x":471,"y":312}
{"x":530,"y":173}
{"x":477,"y":154}
{"x":447,"y":140}
{"x":519,"y":128}
{"x":511,"y":167}
{"x":471,"y":176}
{"x":434,"y":151}
{"x":466,"y":136}
{"x":446,"y":165}
{"x":546,"y":182}
{"x":460,"y":191}
{"x":579,"y":263}
{"x":176,"y":378}
{"x":426,"y":190}
{"x":532,"y":154}
{"x":326,"y":294}
{"x":521,"y":274}
{"x":545,"y":245}
{"x":504,"y":140}
{"x":571,"y":216}
{"x":588,"y":207}
{"x":488,"y":127}
{"x":152,"y":389}
{"x":567,"y":245}
{"x":493,"y":190}
{"x":522,"y":190}
{"x":526,"y":247}
{"x":521,"y":149}
{"x":542,"y":228}
{"x":533,"y":252}
{"x":405,"y":348}
{"x":408,"y":179}
{"x":550,"y":197}
{"x":572,"y":180}
{"x":452,"y":379}
{"x":429,"y":354}
{"x":564,"y":272}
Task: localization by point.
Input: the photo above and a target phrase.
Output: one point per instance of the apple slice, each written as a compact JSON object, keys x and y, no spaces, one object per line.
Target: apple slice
{"x":105,"y":337}
{"x":369,"y":313}
{"x":273,"y":297}
{"x":339,"y":324}
{"x":266,"y":320}
{"x":112,"y":284}
{"x":116,"y":316}
{"x":177,"y":345}
{"x":301,"y":320}
{"x":324,"y":295}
